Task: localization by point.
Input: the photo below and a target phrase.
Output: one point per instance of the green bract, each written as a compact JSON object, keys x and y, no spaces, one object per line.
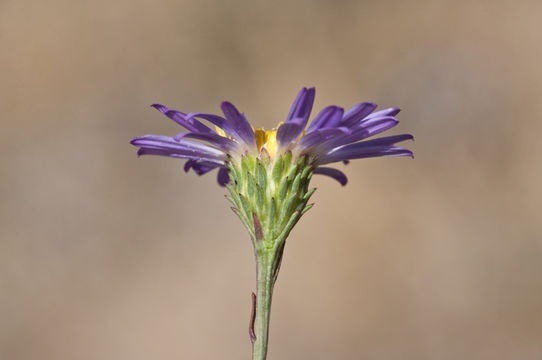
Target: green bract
{"x":270,"y":196}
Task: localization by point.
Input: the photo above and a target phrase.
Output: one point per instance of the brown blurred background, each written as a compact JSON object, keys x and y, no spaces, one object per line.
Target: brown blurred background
{"x":107,"y":256}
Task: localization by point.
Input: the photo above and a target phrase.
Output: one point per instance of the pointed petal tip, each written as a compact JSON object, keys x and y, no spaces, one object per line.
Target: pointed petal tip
{"x":405,"y":137}
{"x":224,"y":105}
{"x":405,"y":153}
{"x":332,"y":173}
{"x":135,"y":141}
{"x":228,"y":107}
{"x":223,"y":177}
{"x":393,"y":111}
{"x":162,"y":108}
{"x":188,"y":165}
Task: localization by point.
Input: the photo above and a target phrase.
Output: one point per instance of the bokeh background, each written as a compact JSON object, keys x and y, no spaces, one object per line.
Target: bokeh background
{"x":107,"y":256}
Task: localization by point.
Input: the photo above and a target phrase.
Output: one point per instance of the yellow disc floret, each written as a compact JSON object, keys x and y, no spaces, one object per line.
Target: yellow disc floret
{"x":259,"y":134}
{"x":266,"y":139}
{"x":220,"y":132}
{"x":271,"y":141}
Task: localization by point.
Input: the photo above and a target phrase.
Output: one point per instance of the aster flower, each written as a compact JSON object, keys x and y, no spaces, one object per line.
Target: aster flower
{"x":267,"y":172}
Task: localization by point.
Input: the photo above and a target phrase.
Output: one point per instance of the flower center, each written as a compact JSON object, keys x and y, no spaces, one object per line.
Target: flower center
{"x":266,"y":139}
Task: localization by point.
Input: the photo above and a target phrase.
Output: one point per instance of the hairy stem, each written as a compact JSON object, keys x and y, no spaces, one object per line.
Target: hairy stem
{"x":266,"y":265}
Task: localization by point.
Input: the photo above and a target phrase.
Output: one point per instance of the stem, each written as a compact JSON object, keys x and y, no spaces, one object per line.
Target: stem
{"x":264,"y":293}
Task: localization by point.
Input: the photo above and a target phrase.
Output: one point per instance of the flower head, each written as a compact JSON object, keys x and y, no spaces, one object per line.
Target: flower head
{"x":268,"y":172}
{"x":334,"y":135}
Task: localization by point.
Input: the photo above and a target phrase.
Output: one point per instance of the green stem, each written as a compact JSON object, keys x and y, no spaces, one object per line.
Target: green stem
{"x":264,"y":293}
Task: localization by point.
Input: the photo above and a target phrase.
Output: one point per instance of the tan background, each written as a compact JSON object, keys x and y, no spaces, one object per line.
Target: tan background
{"x":106,"y":256}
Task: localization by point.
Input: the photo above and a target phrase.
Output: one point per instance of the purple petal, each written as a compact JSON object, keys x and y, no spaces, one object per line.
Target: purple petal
{"x":357,"y":113}
{"x":218,"y":121}
{"x":239,"y":123}
{"x":169,"y":153}
{"x":181,"y":119}
{"x":302,"y":106}
{"x":372,"y":127}
{"x":200,"y":167}
{"x":169,"y":147}
{"x":223,"y":176}
{"x":359,"y":151}
{"x":297,"y":118}
{"x":214,"y":139}
{"x":203,"y":167}
{"x":321,"y":135}
{"x":334,"y":173}
{"x":287,"y":133}
{"x":170,"y":143}
{"x":388,"y":140}
{"x":362,"y":131}
{"x":329,"y":117}
{"x":225,"y":124}
{"x":189,"y":164}
{"x":384,"y":112}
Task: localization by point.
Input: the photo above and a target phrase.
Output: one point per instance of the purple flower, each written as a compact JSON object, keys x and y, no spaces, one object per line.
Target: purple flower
{"x":334,"y":135}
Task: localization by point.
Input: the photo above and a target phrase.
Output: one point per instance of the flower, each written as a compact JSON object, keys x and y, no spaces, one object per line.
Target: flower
{"x":334,"y":135}
{"x":268,"y":172}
